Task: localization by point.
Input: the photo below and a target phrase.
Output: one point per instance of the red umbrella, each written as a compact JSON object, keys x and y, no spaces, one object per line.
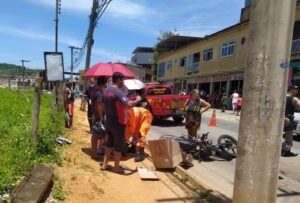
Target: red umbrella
{"x":108,"y":69}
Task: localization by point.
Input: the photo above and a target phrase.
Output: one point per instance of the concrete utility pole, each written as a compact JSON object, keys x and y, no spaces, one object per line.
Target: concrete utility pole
{"x":23,"y":70}
{"x":90,"y":40}
{"x":57,"y":12}
{"x":260,"y":134}
{"x":72,"y":61}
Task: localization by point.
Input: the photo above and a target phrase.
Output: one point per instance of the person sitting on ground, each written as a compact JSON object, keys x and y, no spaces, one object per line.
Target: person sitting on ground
{"x":69,"y":99}
{"x":193,"y":109}
{"x":98,"y":113}
{"x":239,"y":104}
{"x":224,"y":102}
{"x":115,"y":101}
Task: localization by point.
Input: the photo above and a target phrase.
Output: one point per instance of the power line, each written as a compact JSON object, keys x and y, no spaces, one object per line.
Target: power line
{"x":98,"y":8}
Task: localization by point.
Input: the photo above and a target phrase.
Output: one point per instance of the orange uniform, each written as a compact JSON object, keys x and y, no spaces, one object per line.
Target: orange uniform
{"x":138,"y":123}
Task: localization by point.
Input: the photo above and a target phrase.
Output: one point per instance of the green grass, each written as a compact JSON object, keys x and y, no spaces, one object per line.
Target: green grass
{"x":17,"y":153}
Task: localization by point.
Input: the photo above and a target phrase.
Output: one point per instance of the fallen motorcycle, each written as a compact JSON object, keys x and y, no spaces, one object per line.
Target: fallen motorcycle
{"x":202,"y":148}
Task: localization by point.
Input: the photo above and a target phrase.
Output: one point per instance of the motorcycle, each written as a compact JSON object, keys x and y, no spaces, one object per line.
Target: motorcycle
{"x":202,"y":148}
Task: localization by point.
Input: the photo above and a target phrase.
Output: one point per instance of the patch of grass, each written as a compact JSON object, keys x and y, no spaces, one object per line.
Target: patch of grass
{"x":87,"y":168}
{"x":184,"y":178}
{"x":18,"y":154}
{"x":97,"y":189}
{"x":74,"y":178}
{"x":58,"y":191}
{"x":68,"y":159}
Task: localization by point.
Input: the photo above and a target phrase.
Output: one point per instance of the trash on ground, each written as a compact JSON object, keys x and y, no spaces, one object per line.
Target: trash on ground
{"x":147,"y":174}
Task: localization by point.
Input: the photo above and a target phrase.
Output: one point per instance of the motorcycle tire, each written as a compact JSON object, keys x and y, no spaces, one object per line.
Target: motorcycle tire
{"x":228,"y":145}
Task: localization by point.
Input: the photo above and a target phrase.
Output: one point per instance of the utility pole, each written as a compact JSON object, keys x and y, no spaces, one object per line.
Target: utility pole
{"x":90,"y":40}
{"x":261,"y":126}
{"x":57,"y":12}
{"x":72,"y":61}
{"x":23,"y":70}
{"x":57,"y":93}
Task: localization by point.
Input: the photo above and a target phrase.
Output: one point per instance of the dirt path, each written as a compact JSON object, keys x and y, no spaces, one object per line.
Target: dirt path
{"x":84,"y":182}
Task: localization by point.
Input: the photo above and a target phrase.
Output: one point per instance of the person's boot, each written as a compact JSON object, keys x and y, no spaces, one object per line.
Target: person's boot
{"x":140,"y":155}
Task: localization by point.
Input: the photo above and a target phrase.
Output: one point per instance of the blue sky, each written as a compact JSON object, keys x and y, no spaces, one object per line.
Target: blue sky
{"x":27,"y":27}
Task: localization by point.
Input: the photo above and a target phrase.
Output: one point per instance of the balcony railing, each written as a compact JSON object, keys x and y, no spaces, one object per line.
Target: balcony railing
{"x":193,"y":67}
{"x":296,"y":46}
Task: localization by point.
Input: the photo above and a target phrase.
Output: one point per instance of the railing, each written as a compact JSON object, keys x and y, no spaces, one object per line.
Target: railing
{"x":296,"y":46}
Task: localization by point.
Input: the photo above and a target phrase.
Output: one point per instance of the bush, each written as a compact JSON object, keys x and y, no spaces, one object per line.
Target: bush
{"x":17,"y":153}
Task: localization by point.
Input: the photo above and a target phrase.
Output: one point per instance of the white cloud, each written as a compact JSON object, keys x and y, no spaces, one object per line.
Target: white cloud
{"x":29,"y":34}
{"x":109,"y":56}
{"x":117,"y":8}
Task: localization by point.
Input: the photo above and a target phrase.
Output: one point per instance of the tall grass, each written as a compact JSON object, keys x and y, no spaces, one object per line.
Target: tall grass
{"x":17,"y":153}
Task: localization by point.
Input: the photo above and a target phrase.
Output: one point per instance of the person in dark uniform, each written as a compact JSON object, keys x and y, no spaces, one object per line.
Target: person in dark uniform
{"x":292,"y":103}
{"x":88,"y":98}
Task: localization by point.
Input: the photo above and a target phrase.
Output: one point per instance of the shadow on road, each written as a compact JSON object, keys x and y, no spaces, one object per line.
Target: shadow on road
{"x":287,"y":193}
{"x":166,"y":123}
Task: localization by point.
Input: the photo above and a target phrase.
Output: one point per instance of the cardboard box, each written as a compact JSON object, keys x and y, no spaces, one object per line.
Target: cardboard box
{"x":165,"y":153}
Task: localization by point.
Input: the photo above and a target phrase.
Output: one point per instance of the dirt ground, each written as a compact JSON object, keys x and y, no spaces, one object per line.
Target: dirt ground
{"x":83,"y":181}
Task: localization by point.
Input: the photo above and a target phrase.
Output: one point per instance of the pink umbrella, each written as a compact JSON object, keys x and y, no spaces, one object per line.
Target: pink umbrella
{"x":108,"y":69}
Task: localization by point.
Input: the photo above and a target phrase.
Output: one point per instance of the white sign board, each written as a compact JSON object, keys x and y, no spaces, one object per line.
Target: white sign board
{"x":54,"y":66}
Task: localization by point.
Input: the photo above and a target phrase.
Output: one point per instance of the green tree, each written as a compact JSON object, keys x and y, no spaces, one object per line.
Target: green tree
{"x":163,"y":35}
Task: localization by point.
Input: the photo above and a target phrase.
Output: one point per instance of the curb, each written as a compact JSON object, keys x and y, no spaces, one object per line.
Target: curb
{"x":35,"y":186}
{"x":203,"y":189}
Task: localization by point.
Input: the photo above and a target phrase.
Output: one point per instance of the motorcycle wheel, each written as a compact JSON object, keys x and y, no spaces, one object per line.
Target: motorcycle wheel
{"x":228,"y":145}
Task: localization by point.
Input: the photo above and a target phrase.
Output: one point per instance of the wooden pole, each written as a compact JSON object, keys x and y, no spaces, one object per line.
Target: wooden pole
{"x":261,"y":125}
{"x":54,"y":100}
{"x":60,"y":103}
{"x":36,"y":107}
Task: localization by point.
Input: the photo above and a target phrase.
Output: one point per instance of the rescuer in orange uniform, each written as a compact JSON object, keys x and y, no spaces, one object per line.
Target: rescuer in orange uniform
{"x":138,"y":124}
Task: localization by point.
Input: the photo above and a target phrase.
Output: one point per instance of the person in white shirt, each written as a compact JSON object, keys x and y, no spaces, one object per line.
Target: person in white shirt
{"x":234,"y":98}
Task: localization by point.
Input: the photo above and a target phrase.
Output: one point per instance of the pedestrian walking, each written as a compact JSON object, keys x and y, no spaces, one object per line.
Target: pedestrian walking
{"x":239,"y":104}
{"x":97,"y":105}
{"x":193,"y":109}
{"x":69,"y":99}
{"x":292,"y":103}
{"x":87,"y":96}
{"x":115,"y":102}
{"x":234,"y":98}
{"x":224,"y":102}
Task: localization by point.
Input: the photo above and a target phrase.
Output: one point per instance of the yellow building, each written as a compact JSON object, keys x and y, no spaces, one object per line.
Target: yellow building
{"x":214,"y":63}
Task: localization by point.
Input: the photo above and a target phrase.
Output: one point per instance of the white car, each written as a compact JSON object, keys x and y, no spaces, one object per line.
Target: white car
{"x":297,"y":119}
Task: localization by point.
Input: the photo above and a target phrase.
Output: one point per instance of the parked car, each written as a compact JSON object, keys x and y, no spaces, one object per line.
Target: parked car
{"x":163,"y":103}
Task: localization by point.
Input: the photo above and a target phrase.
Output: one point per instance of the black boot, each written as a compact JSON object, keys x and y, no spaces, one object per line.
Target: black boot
{"x":140,"y":155}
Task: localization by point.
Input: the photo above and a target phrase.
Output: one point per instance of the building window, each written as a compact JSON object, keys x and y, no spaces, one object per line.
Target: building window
{"x":208,"y":54}
{"x":161,"y":69}
{"x":182,"y":61}
{"x":194,"y":60}
{"x":169,"y":64}
{"x":228,"y":49}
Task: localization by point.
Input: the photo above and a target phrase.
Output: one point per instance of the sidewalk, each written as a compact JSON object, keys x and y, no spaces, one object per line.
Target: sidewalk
{"x":84,"y":182}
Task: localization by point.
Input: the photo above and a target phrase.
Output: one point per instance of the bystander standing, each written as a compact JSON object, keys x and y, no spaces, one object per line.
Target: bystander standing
{"x":224,"y":102}
{"x":87,"y":96}
{"x":115,"y":102}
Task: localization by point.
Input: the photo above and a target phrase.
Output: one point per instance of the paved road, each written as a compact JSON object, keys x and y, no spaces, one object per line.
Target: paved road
{"x":219,"y":174}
